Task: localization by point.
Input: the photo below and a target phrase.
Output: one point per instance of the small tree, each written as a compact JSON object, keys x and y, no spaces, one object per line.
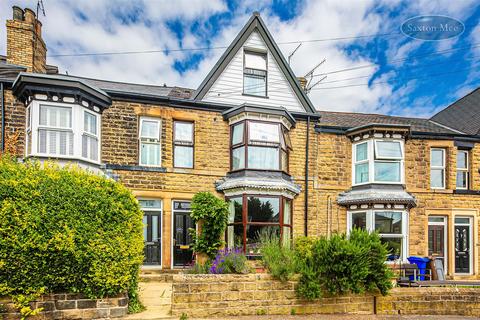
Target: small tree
{"x":212,"y":213}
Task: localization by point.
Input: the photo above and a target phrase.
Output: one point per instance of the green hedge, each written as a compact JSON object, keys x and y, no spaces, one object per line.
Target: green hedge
{"x":66,"y":230}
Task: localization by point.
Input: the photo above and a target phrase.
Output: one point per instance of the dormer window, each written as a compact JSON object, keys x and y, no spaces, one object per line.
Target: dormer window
{"x":255,"y":74}
{"x":378,"y":161}
{"x":260,"y":146}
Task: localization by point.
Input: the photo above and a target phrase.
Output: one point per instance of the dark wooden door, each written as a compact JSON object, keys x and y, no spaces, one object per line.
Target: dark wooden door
{"x":182,"y":250}
{"x":436,"y":241}
{"x":153,"y":238}
{"x":462,"y":249}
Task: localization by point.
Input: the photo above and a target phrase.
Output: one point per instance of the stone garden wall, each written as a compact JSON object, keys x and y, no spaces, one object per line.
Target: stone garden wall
{"x":229,"y":295}
{"x":70,"y":306}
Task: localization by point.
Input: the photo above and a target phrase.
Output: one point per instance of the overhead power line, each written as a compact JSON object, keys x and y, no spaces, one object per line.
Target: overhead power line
{"x":428,"y":76}
{"x":166,"y":51}
{"x":233,"y":89}
{"x":475,"y":45}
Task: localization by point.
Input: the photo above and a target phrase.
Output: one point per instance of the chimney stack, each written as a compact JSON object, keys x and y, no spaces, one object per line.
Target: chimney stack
{"x":25,"y":46}
{"x":303,"y":82}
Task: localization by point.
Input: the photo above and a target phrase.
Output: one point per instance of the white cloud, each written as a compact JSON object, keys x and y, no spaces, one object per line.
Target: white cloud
{"x":99,"y":26}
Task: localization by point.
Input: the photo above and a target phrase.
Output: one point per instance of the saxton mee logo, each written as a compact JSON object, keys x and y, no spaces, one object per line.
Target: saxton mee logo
{"x":432,"y":28}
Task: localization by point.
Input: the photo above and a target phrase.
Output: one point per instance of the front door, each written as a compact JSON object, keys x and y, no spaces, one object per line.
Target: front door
{"x":182,"y":241}
{"x":437,"y":239}
{"x":462,"y":245}
{"x":152,"y":231}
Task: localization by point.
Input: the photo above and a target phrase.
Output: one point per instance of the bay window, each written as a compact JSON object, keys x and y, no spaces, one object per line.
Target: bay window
{"x":462,"y":169}
{"x":62,"y":130}
{"x":55,"y":132}
{"x":378,"y":161}
{"x":255,"y":74}
{"x":90,"y":136}
{"x":391,"y":225}
{"x":183,"y":144}
{"x":252,"y":217}
{"x":437,"y":168}
{"x":259,"y":145}
{"x":150,"y":148}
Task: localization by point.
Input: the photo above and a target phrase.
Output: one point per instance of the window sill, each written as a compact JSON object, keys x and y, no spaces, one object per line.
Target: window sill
{"x":134,"y":168}
{"x":441,"y":190}
{"x":469,"y":192}
{"x":64,"y":158}
{"x":255,"y":96}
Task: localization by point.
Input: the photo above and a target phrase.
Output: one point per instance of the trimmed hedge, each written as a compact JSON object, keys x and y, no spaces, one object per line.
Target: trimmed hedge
{"x":67,"y":230}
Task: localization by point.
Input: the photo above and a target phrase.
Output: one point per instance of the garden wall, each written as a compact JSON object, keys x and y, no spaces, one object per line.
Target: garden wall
{"x":229,"y":295}
{"x":70,"y":306}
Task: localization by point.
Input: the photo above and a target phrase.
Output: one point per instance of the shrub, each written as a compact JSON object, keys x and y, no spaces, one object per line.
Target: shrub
{"x":67,"y":230}
{"x":229,"y":261}
{"x":341,"y":265}
{"x":303,"y":248}
{"x":278,"y":259}
{"x":379,"y":274}
{"x":213,"y":214}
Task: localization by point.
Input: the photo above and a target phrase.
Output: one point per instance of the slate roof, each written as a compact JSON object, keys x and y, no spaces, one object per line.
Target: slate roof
{"x":463,"y":114}
{"x":9,"y":72}
{"x":348,"y":120}
{"x":135,"y":88}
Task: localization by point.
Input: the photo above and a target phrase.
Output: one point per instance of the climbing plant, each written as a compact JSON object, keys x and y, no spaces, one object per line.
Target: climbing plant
{"x":212,"y":214}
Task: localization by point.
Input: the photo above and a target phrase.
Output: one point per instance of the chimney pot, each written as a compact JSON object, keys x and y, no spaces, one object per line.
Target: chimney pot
{"x":17,"y":13}
{"x":303,"y":82}
{"x":30,"y":16}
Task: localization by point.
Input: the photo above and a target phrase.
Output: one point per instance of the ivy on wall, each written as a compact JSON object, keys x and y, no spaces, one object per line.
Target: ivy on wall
{"x":212,"y":214}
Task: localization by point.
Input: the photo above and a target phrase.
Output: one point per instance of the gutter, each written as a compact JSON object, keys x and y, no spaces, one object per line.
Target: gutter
{"x":2,"y":98}
{"x":306,"y":177}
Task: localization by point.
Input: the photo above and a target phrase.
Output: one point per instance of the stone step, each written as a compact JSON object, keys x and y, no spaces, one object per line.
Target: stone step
{"x":151,"y":313}
{"x":151,"y":277}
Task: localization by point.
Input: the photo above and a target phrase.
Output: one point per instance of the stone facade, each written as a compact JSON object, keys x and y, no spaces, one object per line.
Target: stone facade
{"x":232,"y":295}
{"x":329,"y":159}
{"x":70,"y":306}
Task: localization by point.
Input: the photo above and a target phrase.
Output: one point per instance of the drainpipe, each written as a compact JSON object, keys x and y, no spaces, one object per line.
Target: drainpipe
{"x":2,"y":98}
{"x":306,"y":177}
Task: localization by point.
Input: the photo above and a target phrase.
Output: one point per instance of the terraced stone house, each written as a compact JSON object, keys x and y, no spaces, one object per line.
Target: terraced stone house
{"x":250,"y":134}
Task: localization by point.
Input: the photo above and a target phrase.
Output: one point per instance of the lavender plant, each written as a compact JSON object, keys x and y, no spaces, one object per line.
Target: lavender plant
{"x":229,"y":261}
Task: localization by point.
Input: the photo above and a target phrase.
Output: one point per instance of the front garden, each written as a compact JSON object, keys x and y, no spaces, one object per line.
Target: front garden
{"x":64,"y":230}
{"x":332,"y":266}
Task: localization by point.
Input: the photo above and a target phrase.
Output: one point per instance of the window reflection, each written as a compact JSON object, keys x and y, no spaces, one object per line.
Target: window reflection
{"x":263,"y":209}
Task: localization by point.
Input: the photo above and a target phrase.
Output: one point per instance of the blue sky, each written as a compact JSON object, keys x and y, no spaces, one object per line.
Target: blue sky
{"x":403,"y":77}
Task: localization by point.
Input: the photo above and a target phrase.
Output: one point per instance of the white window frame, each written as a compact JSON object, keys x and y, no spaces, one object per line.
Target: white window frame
{"x":371,"y":148}
{"x":184,"y":143}
{"x":77,"y":129}
{"x":370,"y":226}
{"x":443,"y":223}
{"x":91,"y":135}
{"x":466,"y":170}
{"x":443,"y":167}
{"x":150,"y":140}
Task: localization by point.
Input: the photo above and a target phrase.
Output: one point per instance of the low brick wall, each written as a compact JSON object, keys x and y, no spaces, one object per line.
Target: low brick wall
{"x":229,"y":295}
{"x":70,"y":306}
{"x":432,"y":301}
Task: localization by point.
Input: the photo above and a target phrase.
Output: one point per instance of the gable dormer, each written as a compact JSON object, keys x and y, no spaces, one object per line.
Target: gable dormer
{"x":253,"y":71}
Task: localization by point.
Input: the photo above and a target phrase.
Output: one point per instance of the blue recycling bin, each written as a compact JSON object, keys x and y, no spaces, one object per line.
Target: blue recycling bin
{"x":422,"y":265}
